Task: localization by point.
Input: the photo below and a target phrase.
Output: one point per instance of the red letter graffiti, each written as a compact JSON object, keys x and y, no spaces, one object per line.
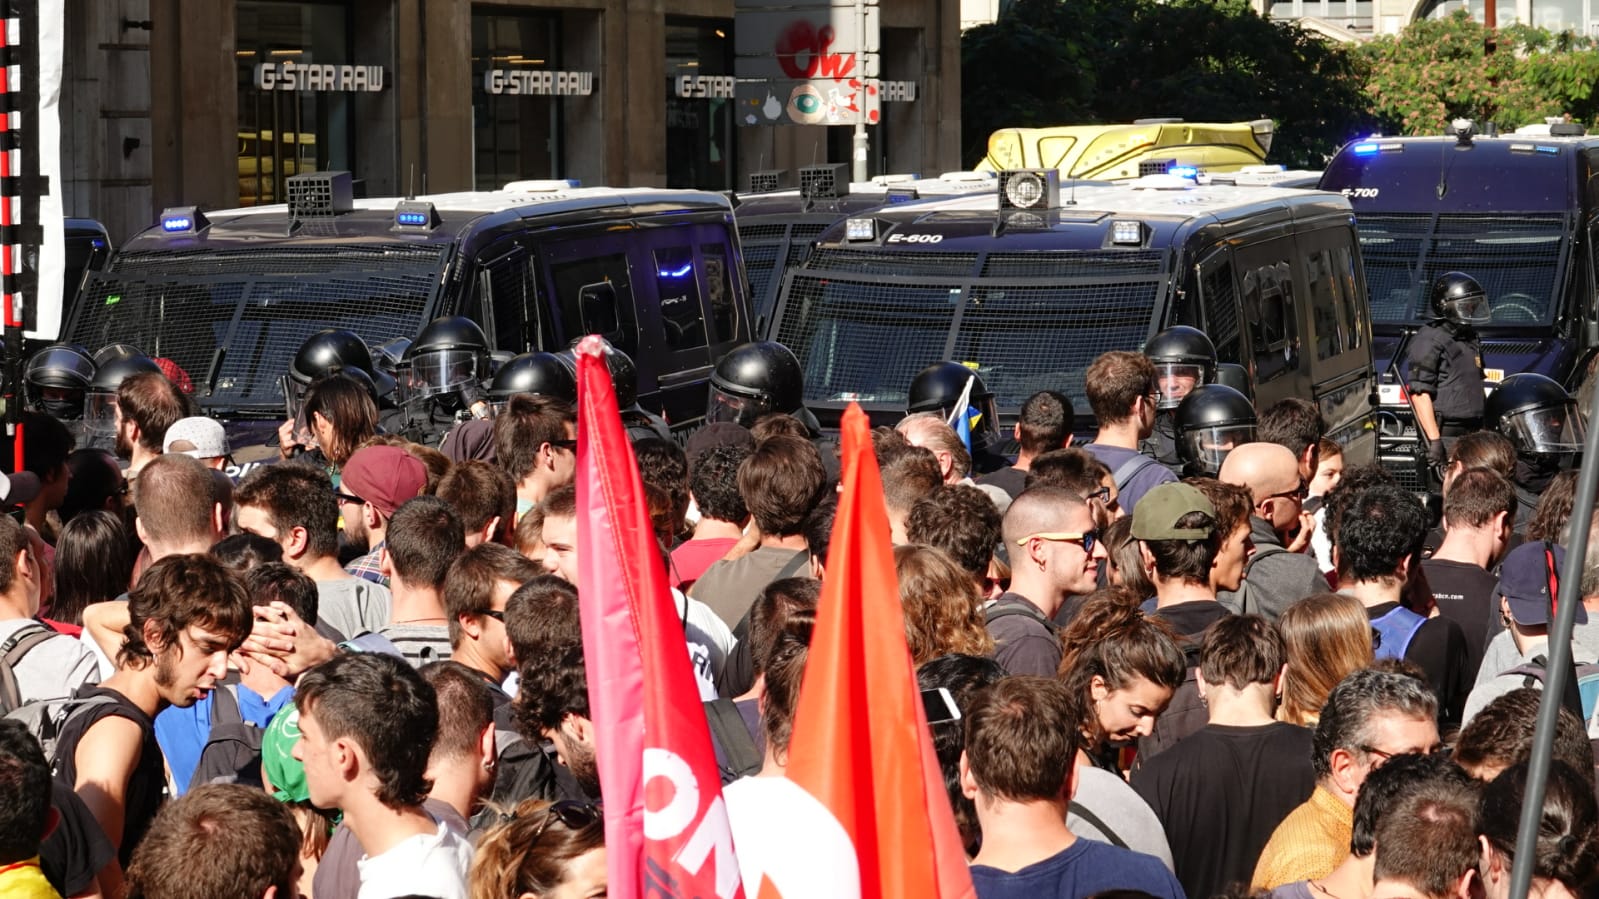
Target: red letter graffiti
{"x":801,"y":40}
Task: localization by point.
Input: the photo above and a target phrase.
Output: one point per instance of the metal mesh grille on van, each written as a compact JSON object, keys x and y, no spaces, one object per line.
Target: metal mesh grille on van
{"x":867,"y":262}
{"x":1515,"y":257}
{"x":1071,"y":265}
{"x":259,"y":305}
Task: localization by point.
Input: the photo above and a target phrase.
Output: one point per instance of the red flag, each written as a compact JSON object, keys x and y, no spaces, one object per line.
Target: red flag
{"x":666,"y":830}
{"x":861,"y":746}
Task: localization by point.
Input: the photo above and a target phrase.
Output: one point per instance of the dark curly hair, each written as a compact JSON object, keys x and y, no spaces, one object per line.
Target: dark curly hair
{"x":960,"y":520}
{"x":715,"y":483}
{"x":179,"y":592}
{"x":542,"y":619}
{"x":1379,"y":529}
{"x":385,"y":706}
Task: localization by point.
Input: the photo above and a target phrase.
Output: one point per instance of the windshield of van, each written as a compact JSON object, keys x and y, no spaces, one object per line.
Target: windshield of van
{"x":1516,"y":258}
{"x":256,"y":306}
{"x":863,"y":337}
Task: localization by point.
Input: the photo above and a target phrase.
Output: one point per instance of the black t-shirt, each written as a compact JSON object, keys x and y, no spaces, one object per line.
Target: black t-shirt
{"x":1439,"y":650}
{"x":146,"y":783}
{"x":77,"y":849}
{"x":1010,"y":479}
{"x":1463,"y":593}
{"x":1220,"y":793}
{"x":1189,"y":619}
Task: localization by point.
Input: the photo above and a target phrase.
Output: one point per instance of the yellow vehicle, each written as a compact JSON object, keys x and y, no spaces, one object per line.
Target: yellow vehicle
{"x":1111,"y":152}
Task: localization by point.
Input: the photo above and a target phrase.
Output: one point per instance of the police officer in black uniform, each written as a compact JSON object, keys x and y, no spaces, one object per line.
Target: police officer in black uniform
{"x":1540,"y":419}
{"x":638,"y":421}
{"x":113,"y":365}
{"x":1446,"y":376}
{"x":535,"y":373}
{"x":57,"y":381}
{"x":1210,"y":422}
{"x":757,"y":379}
{"x":443,"y":373}
{"x":1185,"y":360}
{"x":336,"y":349}
{"x":938,"y":388}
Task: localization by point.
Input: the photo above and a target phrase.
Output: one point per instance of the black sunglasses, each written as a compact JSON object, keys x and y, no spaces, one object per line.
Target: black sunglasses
{"x":1299,"y":493}
{"x":347,"y":498}
{"x":496,"y":614}
{"x":564,"y":444}
{"x":573,"y":815}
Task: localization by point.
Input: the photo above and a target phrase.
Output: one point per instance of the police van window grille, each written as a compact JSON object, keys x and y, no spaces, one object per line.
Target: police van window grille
{"x":298,"y":260}
{"x":280,"y":314}
{"x":1028,"y":339}
{"x":864,"y":341}
{"x":760,"y":263}
{"x":761,"y":232}
{"x":181,"y":322}
{"x":808,"y":231}
{"x":1220,"y":300}
{"x":866,"y":262}
{"x":1515,"y":258}
{"x":1071,"y":265}
{"x":798,"y":252}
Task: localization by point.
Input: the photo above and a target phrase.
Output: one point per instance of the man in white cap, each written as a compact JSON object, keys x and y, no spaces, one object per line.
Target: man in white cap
{"x":200,"y":437}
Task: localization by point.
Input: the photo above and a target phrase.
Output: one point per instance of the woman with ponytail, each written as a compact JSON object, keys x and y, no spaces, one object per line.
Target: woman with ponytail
{"x":1566,"y":856}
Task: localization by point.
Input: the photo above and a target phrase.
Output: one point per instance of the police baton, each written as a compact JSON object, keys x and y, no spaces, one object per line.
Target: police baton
{"x":1559,"y":667}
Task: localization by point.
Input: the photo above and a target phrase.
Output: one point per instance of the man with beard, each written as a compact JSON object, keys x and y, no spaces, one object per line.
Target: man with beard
{"x":552,"y":701}
{"x":375,"y":482}
{"x":147,"y":404}
{"x":185,"y":616}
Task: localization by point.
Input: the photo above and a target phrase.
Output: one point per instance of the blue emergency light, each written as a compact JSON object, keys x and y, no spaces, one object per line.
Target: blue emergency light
{"x":683,"y":272}
{"x":1184,"y":171}
{"x":183,"y":220}
{"x":1364,"y":149}
{"x":415,"y":215}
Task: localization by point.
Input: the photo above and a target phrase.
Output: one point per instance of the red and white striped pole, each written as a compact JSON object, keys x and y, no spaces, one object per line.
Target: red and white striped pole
{"x":12,"y":302}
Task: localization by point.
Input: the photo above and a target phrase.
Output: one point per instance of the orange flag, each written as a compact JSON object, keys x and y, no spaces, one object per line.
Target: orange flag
{"x":861,"y":747}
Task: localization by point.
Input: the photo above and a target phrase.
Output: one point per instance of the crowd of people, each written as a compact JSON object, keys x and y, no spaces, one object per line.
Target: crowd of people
{"x":358,"y":672}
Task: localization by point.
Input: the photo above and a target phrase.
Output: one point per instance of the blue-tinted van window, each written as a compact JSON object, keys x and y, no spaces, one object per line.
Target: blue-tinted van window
{"x":1515,"y":258}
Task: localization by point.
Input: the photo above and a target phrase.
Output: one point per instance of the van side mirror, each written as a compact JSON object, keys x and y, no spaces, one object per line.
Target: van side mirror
{"x":596,"y":303}
{"x":1235,"y":376}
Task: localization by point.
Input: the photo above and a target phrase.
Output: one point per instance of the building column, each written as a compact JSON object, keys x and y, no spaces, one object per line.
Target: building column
{"x":194,"y":108}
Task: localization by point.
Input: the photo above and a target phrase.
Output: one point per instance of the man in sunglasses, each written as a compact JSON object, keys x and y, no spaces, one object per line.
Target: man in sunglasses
{"x":1054,"y":553}
{"x":1279,"y":574}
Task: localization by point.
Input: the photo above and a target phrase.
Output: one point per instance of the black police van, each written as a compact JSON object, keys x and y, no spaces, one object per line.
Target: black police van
{"x":1518,"y":212}
{"x":230,"y":296}
{"x":1032,"y":282}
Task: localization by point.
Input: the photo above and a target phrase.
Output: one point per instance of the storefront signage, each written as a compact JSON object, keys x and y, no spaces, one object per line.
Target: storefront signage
{"x":898,"y":91}
{"x":299,"y":76}
{"x":691,"y":86}
{"x":535,"y":82}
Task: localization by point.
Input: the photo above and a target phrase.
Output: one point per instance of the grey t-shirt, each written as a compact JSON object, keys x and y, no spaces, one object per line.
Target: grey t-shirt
{"x":51,"y":669}
{"x":1023,"y":642}
{"x":730,"y":587}
{"x":353,"y":606}
{"x":1119,"y":808}
{"x":419,"y":644}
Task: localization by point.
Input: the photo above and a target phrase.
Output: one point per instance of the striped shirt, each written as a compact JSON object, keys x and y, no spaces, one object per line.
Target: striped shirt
{"x":419,"y":643}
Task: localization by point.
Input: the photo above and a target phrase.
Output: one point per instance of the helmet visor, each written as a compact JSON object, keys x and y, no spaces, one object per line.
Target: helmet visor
{"x":1208,"y":447}
{"x":441,"y":372}
{"x":741,"y":410}
{"x":59,"y":366}
{"x":1550,"y":430}
{"x":1175,"y":380}
{"x":100,"y":413}
{"x":1473,"y":309}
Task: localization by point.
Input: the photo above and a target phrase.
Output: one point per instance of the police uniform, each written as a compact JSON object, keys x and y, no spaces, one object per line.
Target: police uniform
{"x":1162,"y":444}
{"x":1446,"y":364}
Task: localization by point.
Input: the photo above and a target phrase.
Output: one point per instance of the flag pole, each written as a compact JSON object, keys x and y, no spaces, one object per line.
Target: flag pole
{"x":1559,"y":663}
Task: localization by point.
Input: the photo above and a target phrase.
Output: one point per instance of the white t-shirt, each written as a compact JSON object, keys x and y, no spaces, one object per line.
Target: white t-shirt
{"x":51,"y":669}
{"x":433,"y":864}
{"x":709,"y":641}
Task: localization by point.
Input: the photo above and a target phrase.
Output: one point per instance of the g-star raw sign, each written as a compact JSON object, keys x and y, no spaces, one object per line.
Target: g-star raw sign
{"x":536,"y":82}
{"x":302,"y":76}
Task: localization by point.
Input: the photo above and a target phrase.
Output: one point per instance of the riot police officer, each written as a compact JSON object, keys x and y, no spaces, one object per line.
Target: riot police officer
{"x":57,"y":379}
{"x":637,"y":420}
{"x":1446,"y":377}
{"x":114,"y":364}
{"x":1210,"y":421}
{"x":757,"y":379}
{"x":1185,"y":360}
{"x":444,"y":368}
{"x":541,"y":373}
{"x":1540,"y":419}
{"x":938,"y":388}
{"x":334,"y":349}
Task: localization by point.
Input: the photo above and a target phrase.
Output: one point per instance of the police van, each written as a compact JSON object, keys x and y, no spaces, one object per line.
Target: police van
{"x":1032,"y":282}
{"x":777,"y":227}
{"x":229,"y":296}
{"x":1518,"y":212}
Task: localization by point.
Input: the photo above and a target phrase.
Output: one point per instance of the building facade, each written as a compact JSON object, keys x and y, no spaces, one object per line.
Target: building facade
{"x":214,"y":102}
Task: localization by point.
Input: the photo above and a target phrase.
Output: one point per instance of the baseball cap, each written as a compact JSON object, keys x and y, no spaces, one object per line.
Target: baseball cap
{"x":197,"y":436}
{"x":1158,"y":511}
{"x":385,"y":476}
{"x":1524,"y":579}
{"x":19,"y":488}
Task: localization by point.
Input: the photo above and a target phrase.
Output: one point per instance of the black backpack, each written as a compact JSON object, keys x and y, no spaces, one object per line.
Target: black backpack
{"x":729,"y":734}
{"x":232,"y":752}
{"x":11,"y":652}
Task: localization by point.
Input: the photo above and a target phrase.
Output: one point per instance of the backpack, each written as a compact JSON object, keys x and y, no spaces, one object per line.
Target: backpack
{"x":1008,"y":607}
{"x":45,"y":719}
{"x":11,"y":652}
{"x":232,"y":751}
{"x":1131,"y":469}
{"x":1394,"y":630}
{"x":1587,"y":675}
{"x":1247,"y":603}
{"x":730,"y":735}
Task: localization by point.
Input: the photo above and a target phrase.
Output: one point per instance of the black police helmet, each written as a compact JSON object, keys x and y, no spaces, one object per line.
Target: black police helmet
{"x":327,"y":351}
{"x":939,"y":386}
{"x":541,"y":373}
{"x":1184,"y":358}
{"x":1536,"y":414}
{"x":1210,"y":422}
{"x":762,"y":370}
{"x":451,"y":332}
{"x":60,"y":365}
{"x":624,"y":374}
{"x":1457,"y":297}
{"x":118,"y":368}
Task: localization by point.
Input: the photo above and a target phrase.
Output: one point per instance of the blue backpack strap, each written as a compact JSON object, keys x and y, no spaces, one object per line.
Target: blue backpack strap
{"x":1394,"y":630}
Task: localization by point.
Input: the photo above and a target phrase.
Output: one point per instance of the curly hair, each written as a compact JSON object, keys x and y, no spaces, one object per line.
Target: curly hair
{"x":542,"y":620}
{"x":960,"y":520}
{"x":179,"y":592}
{"x":1111,"y":639}
{"x":528,"y":852}
{"x":943,"y":613}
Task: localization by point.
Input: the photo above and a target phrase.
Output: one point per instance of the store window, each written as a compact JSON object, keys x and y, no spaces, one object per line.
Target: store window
{"x":518,"y":86}
{"x":700,"y":136}
{"x":297,"y":82}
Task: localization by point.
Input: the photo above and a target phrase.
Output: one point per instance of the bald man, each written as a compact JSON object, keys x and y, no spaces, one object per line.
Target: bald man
{"x":1279,"y":574}
{"x":1054,"y":554}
